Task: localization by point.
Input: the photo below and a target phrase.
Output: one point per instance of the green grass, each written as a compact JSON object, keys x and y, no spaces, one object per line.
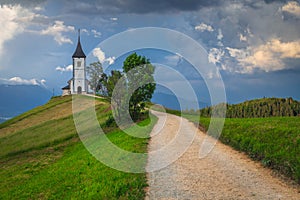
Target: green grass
{"x":275,"y":141}
{"x":48,"y":161}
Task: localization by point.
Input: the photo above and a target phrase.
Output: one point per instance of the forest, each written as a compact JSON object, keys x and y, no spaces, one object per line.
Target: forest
{"x":264,"y":107}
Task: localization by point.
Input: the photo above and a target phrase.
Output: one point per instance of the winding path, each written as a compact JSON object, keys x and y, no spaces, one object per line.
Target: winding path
{"x":223,"y":174}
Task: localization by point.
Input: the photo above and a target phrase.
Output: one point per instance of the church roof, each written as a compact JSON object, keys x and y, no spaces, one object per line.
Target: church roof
{"x":78,"y":52}
{"x":66,"y":87}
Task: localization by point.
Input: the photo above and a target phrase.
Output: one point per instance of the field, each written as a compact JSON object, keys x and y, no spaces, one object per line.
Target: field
{"x":42,"y":157}
{"x":274,"y":141}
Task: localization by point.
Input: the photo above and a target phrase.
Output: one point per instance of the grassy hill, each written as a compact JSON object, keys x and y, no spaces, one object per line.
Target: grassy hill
{"x":41,"y":157}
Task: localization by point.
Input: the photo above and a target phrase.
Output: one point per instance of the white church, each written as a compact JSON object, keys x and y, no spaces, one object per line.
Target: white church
{"x":78,"y":84}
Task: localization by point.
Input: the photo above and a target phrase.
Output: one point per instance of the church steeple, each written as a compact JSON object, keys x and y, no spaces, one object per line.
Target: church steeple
{"x":78,"y":52}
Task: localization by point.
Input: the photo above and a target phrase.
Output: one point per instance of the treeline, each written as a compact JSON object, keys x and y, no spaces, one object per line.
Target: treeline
{"x":265,"y":107}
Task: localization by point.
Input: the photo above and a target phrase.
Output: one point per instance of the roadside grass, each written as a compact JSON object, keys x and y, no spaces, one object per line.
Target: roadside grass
{"x":48,"y":161}
{"x":274,"y":141}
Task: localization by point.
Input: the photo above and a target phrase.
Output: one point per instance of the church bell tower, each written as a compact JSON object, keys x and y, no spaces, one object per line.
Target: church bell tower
{"x":79,"y":83}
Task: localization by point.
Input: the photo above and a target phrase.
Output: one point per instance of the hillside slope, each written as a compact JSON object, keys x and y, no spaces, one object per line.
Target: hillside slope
{"x":41,"y":157}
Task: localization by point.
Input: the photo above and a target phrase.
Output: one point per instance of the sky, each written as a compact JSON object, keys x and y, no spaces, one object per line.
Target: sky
{"x":254,"y":44}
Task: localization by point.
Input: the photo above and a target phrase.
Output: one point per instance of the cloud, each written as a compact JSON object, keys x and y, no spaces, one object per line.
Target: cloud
{"x":220,"y":34}
{"x":64,"y":69}
{"x":242,"y":37}
{"x":13,"y":20}
{"x":266,"y":57}
{"x":237,"y":53}
{"x":38,"y":8}
{"x":292,"y":7}
{"x":137,"y":6}
{"x":111,"y":60}
{"x":215,"y":55}
{"x":204,"y":27}
{"x":84,"y":31}
{"x":98,"y":53}
{"x":43,"y":82}
{"x":173,"y":60}
{"x":20,"y":81}
{"x":96,"y":33}
{"x":56,"y":30}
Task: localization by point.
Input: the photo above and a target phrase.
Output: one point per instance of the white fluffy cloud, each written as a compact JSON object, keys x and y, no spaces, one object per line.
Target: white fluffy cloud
{"x":96,"y":33}
{"x":267,"y":57}
{"x":292,"y":7}
{"x":98,"y":53}
{"x":215,"y":55}
{"x":64,"y":69}
{"x":56,"y":31}
{"x":204,"y":27}
{"x":20,"y":81}
{"x":111,"y":60}
{"x":13,"y":20}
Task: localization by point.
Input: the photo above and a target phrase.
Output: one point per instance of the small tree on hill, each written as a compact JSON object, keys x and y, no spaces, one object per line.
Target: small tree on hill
{"x":112,"y":81}
{"x":140,"y":82}
{"x":102,"y":85}
{"x":95,"y":71}
{"x":118,"y":94}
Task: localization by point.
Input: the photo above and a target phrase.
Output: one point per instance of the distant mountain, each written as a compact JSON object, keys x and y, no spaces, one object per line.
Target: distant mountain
{"x":16,"y":99}
{"x":172,"y":102}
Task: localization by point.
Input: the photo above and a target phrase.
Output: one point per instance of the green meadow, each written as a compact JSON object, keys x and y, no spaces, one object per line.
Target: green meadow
{"x":42,"y":157}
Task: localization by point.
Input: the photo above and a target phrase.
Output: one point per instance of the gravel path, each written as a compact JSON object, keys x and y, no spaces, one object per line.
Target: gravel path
{"x":223,"y":174}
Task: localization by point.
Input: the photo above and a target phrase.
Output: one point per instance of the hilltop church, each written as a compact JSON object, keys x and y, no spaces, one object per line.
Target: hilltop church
{"x":78,"y":84}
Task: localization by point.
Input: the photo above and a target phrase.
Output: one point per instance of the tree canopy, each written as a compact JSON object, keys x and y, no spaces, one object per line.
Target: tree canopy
{"x":130,"y":89}
{"x":265,"y":107}
{"x":140,"y":82}
{"x":95,"y":73}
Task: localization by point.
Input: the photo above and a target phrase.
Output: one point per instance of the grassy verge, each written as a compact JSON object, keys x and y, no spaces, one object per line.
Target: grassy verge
{"x":274,"y":141}
{"x":48,"y":161}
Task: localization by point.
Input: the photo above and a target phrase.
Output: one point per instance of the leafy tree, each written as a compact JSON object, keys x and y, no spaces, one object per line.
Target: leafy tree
{"x":112,"y":81}
{"x":140,"y":82}
{"x":118,"y":94}
{"x":102,"y":85}
{"x":95,"y":71}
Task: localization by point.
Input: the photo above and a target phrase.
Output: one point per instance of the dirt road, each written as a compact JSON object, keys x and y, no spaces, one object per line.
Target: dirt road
{"x":223,"y":174}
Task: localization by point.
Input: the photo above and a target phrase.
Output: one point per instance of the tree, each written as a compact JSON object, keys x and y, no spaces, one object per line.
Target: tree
{"x":112,"y":81}
{"x":102,"y":85}
{"x":95,"y":71}
{"x":116,"y":88}
{"x":140,"y":82}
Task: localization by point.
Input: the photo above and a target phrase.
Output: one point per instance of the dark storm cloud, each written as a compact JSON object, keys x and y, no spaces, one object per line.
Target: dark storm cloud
{"x":272,"y":1}
{"x":138,"y":6}
{"x":25,"y":3}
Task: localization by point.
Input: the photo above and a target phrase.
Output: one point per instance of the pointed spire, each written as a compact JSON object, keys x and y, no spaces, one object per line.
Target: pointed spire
{"x":79,"y":34}
{"x":78,"y":52}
